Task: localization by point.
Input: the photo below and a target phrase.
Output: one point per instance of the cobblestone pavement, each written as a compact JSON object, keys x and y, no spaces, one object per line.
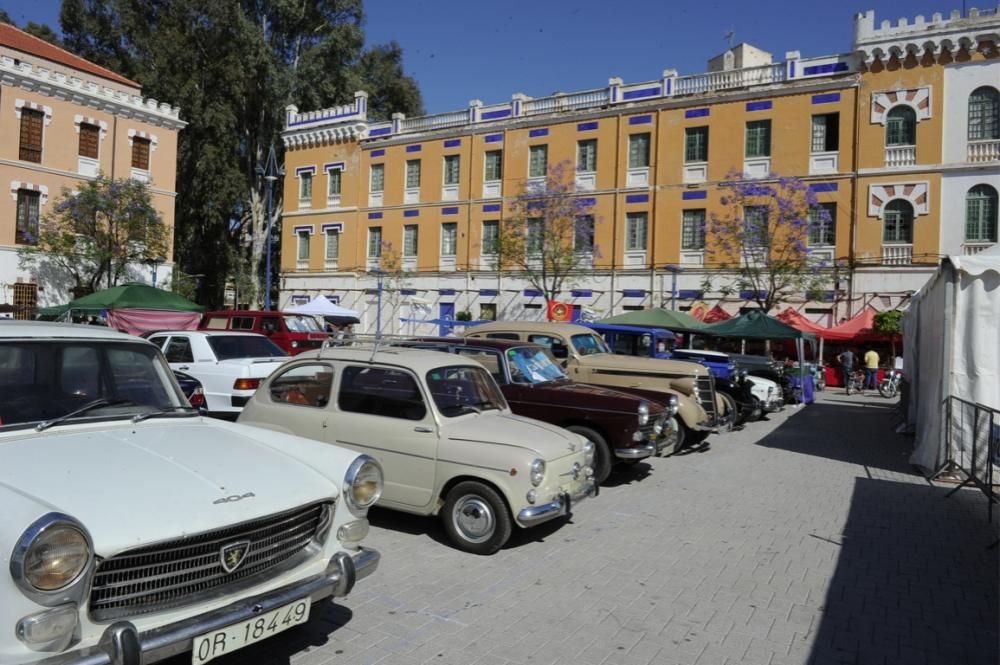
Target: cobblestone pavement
{"x":803,"y":539}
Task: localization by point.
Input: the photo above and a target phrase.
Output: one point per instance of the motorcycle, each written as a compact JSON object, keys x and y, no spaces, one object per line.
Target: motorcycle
{"x":856,"y":382}
{"x":889,"y":385}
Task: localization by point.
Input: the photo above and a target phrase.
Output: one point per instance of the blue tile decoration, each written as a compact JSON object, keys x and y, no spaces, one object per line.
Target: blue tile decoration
{"x":535,"y":133}
{"x":831,"y":68}
{"x":694,"y":195}
{"x":374,"y":215}
{"x":306,"y":227}
{"x":582,"y":293}
{"x":411,"y":213}
{"x":378,"y":153}
{"x":826,"y":99}
{"x":334,"y":166}
{"x":637,"y":198}
{"x":641,"y":93}
{"x":586,"y":126}
{"x":311,"y":170}
{"x":407,"y":292}
{"x":414,"y":148}
{"x":586,"y":202}
{"x":697,"y":113}
{"x":488,"y":292}
{"x":641,"y":120}
{"x":491,"y":207}
{"x":452,"y":143}
{"x":447,"y":292}
{"x":759,"y":106}
{"x":690,"y":294}
{"x":752,"y":295}
{"x":449,"y":211}
{"x":823,"y":187}
{"x":493,"y":138}
{"x":336,"y":226}
{"x":532,"y":293}
{"x":634,"y":293}
{"x":495,"y":115}
{"x":381,"y":131}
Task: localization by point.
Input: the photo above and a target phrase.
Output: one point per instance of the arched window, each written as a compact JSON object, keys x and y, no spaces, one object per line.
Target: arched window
{"x":984,"y":114}
{"x":981,"y":214}
{"x":897,"y":223}
{"x":901,"y":126}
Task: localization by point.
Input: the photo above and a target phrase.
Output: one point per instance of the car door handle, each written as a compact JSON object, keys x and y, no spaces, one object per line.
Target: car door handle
{"x":425,"y":430}
{"x":183,"y":367}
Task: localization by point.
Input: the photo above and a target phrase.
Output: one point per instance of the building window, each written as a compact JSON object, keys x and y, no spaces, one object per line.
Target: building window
{"x":901,"y":126}
{"x":538,"y":161}
{"x":981,"y":214}
{"x":488,"y":311}
{"x":583,"y":236}
{"x":303,"y":242}
{"x":535,"y":242}
{"x":638,"y":151}
{"x":332,"y":245}
{"x":693,"y":229}
{"x":305,"y":187}
{"x":31,"y":135}
{"x":378,"y":177}
{"x":755,"y":228}
{"x":410,"y":240}
{"x":449,"y":238}
{"x":375,"y":242}
{"x":696,"y":144}
{"x":586,"y":156}
{"x":451,"y":169}
{"x":28,"y":204}
{"x":333,"y":183}
{"x":823,"y":225}
{"x":494,"y":166}
{"x":90,"y":136}
{"x":826,"y":132}
{"x":984,"y":114}
{"x":140,"y":153}
{"x":758,"y":138}
{"x":491,"y":238}
{"x":897,"y":223}
{"x":636,"y":228}
{"x":413,"y":174}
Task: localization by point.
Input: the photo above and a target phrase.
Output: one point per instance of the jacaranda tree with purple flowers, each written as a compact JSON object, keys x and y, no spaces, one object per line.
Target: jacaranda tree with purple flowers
{"x":99,"y":234}
{"x":760,"y":243}
{"x":548,"y":233}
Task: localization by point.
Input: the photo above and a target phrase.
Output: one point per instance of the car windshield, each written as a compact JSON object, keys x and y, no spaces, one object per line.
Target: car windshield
{"x":229,"y":347}
{"x":463,"y":389}
{"x":302,"y":324}
{"x":533,"y":366}
{"x":590,"y":344}
{"x":46,"y":380}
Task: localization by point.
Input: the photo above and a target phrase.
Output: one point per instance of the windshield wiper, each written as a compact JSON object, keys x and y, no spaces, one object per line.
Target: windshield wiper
{"x":139,"y":417}
{"x":96,"y":404}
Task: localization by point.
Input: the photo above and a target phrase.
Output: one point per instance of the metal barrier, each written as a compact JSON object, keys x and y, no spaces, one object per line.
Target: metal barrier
{"x":973,"y":445}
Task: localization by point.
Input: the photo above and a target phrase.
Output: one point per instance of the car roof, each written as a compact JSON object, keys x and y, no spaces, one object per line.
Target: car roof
{"x":614,"y":327}
{"x":531,"y":327}
{"x":252,"y":312}
{"x":50,"y":330}
{"x":476,"y":342}
{"x":209,"y":333}
{"x":419,"y":360}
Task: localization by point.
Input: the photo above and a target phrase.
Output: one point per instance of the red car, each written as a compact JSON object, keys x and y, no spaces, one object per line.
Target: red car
{"x":294,"y":333}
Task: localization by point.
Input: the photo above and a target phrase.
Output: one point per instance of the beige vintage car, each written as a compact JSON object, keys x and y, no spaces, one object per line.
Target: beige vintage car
{"x":588,"y":359}
{"x":443,"y":433}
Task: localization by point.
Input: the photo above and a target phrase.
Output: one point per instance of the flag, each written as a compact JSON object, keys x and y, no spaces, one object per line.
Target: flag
{"x":560,"y":311}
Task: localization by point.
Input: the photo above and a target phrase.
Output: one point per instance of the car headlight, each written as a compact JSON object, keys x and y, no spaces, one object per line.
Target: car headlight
{"x":51,"y":555}
{"x":588,"y":452}
{"x":537,"y":472}
{"x":362,"y":484}
{"x":295,"y":344}
{"x":674,"y":405}
{"x":643,"y":413}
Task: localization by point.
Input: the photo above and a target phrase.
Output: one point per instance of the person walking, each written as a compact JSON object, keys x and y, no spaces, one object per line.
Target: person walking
{"x":846,"y":359}
{"x":871,"y":369}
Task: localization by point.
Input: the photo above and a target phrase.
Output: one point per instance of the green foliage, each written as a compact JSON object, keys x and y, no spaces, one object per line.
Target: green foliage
{"x":888,"y":322}
{"x":42,"y":31}
{"x":98,"y":234}
{"x":5,"y":17}
{"x":464,"y":315}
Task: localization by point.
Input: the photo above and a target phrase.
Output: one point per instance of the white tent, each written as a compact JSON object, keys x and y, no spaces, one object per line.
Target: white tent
{"x":951,"y":337}
{"x":321,"y":306}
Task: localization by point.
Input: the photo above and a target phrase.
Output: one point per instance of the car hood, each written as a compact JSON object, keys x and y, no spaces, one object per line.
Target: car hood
{"x":547,"y":441}
{"x":570,"y":393}
{"x":136,"y":484}
{"x":669,"y":368}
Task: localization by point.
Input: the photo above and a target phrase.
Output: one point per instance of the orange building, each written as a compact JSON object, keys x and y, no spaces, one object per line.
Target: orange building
{"x":64,"y":120}
{"x":648,"y":159}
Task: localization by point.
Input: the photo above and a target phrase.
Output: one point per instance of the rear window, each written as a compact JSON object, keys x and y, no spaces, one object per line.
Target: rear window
{"x":242,"y":323}
{"x":217,"y":322}
{"x":229,"y":347}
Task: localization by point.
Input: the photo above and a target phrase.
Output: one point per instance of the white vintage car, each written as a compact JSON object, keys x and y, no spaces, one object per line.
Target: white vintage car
{"x":230,"y":365}
{"x":443,"y":432}
{"x":132,"y":529}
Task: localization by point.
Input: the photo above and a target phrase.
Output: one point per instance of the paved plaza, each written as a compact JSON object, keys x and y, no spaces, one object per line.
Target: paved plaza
{"x":806,"y":538}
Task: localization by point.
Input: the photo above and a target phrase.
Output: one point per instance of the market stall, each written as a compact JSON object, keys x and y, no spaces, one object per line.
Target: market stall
{"x":136,"y":308}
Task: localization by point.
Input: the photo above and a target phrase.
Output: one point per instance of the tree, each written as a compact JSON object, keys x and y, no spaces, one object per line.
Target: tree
{"x":100,"y":233}
{"x":889,"y":323}
{"x":394,"y":276}
{"x":43,"y":31}
{"x":548,"y":234}
{"x":763,"y":240}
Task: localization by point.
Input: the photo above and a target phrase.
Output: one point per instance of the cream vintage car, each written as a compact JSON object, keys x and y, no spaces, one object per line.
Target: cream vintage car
{"x":134,"y":530}
{"x":442,"y":431}
{"x":587,"y":359}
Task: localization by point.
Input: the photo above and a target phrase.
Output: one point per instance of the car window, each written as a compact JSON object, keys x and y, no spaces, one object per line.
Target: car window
{"x":158,"y":340}
{"x":179,"y":350}
{"x":488,"y":359}
{"x":242,"y":323}
{"x":305,"y":385}
{"x":217,"y":323}
{"x":513,"y":336}
{"x":135,"y":378}
{"x":589,"y":344}
{"x":270,"y":324}
{"x":381,"y":391}
{"x":80,"y":375}
{"x":17,"y":368}
{"x":302,"y":324}
{"x":228,"y":347}
{"x":533,"y":365}
{"x":463,"y":389}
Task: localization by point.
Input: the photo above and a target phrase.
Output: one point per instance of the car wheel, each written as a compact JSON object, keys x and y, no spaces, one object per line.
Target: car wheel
{"x":476,"y":518}
{"x":758,"y":409}
{"x":694,"y":438}
{"x":681,"y":430}
{"x":602,"y":452}
{"x":732,"y":412}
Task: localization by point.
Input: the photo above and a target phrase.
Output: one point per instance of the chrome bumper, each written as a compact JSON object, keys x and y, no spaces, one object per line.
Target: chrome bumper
{"x":669,"y":437}
{"x":774,"y":405}
{"x":640,"y":452}
{"x":122,"y":644}
{"x":533,"y":515}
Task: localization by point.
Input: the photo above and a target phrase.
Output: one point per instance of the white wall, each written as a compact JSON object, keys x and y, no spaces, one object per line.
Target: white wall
{"x":959,"y":82}
{"x":954,"y":186}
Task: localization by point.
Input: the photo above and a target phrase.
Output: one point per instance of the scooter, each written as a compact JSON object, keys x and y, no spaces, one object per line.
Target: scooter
{"x":889,"y":385}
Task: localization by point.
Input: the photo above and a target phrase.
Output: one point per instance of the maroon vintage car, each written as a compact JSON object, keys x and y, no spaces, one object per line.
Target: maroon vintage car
{"x":624,"y":427}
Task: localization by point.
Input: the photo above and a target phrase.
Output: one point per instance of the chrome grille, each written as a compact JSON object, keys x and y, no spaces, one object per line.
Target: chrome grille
{"x":181,"y":571}
{"x":706,"y":393}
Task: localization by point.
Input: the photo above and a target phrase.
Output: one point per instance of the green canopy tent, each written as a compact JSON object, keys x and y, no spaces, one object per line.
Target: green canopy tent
{"x":136,"y":308}
{"x":658,"y":318}
{"x":49,"y":313}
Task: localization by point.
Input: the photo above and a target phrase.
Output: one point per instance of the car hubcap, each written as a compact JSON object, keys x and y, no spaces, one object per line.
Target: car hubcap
{"x":474,"y":519}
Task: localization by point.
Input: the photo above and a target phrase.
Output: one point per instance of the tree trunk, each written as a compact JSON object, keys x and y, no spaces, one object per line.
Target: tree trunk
{"x":258,"y":244}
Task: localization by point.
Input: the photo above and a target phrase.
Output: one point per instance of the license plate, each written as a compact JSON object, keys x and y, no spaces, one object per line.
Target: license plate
{"x":229,"y":639}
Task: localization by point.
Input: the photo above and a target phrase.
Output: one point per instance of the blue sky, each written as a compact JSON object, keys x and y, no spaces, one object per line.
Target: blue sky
{"x":459,"y":51}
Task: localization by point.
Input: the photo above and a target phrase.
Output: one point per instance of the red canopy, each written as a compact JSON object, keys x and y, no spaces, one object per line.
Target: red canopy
{"x":716,"y":314}
{"x":862,"y":325}
{"x":797,"y":320}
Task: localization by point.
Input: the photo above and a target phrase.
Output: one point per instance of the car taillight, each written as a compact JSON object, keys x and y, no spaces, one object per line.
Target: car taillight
{"x":246,"y":384}
{"x":197,"y":398}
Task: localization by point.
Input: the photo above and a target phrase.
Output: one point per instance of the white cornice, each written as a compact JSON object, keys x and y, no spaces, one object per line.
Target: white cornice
{"x":308,"y":138}
{"x":38,"y":168}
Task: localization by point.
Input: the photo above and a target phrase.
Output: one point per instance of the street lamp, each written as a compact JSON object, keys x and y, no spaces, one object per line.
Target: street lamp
{"x":673,"y":284}
{"x":270,"y":172}
{"x":379,"y":275}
